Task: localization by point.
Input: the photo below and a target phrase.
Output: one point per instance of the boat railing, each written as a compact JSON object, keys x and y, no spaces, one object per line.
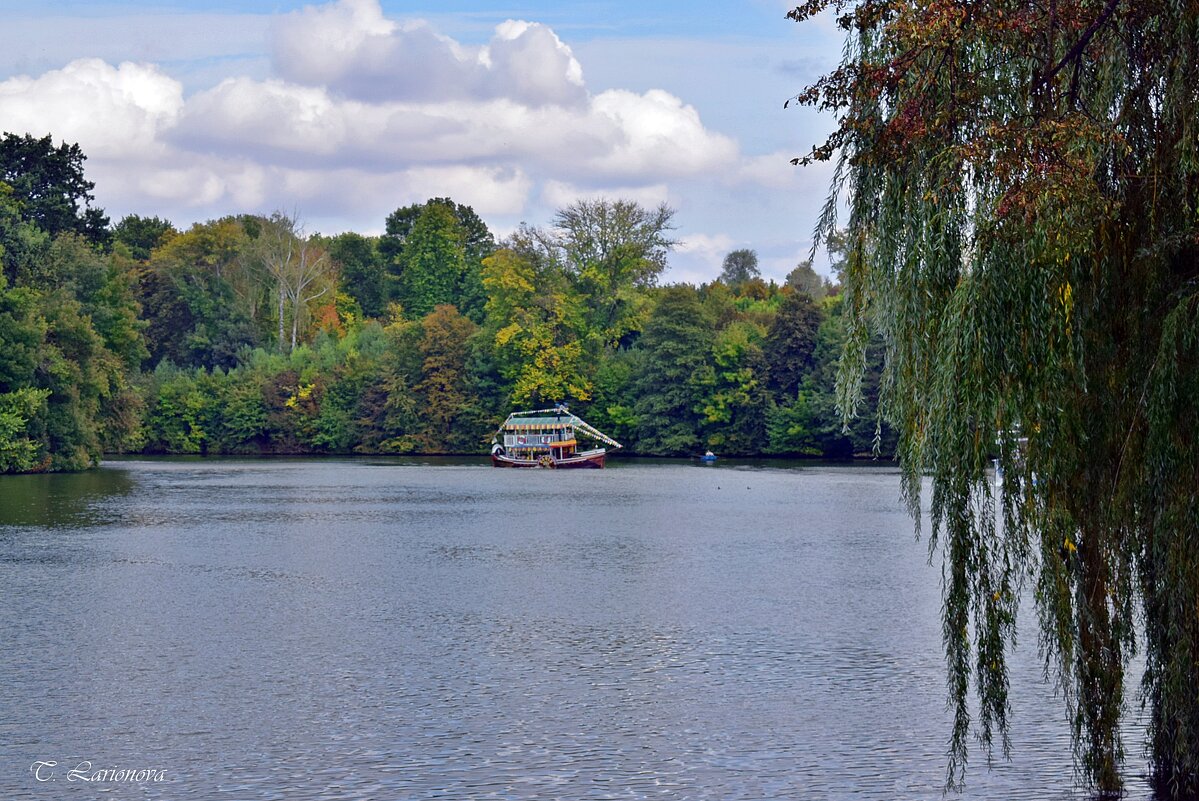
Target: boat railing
{"x":525,"y":440}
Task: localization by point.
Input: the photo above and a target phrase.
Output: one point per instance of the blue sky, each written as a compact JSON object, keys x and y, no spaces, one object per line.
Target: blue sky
{"x":345,"y":110}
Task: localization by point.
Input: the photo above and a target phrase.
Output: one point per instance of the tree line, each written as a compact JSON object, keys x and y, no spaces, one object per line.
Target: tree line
{"x":250,"y":335}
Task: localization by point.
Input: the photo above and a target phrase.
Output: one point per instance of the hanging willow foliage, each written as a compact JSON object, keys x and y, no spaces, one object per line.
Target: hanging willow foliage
{"x":1022,"y":185}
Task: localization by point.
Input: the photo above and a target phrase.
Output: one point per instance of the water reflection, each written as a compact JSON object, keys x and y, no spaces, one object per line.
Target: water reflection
{"x":388,"y":629}
{"x":54,"y":501}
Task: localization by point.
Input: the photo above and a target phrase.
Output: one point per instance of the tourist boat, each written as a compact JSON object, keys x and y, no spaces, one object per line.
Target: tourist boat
{"x":708,"y":457}
{"x":547,"y":438}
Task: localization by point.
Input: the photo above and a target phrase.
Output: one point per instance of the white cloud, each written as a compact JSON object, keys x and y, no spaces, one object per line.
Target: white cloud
{"x":557,"y":194}
{"x":351,"y":48}
{"x":193,"y":185}
{"x":708,"y":248}
{"x":110,"y":111}
{"x":270,"y":119}
{"x":698,"y":257}
{"x":365,"y":113}
{"x":615,"y":136}
{"x":185,"y":184}
{"x":774,"y":170}
{"x":660,"y":135}
{"x":527,"y":62}
{"x":490,"y":190}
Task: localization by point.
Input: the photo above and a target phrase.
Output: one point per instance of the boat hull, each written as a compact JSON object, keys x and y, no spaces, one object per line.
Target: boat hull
{"x":589,"y":460}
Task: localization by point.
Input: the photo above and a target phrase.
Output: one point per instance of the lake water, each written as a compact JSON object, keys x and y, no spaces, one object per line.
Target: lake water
{"x":438,"y":629}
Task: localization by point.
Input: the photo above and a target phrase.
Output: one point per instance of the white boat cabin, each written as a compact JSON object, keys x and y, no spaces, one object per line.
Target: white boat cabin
{"x":532,"y":437}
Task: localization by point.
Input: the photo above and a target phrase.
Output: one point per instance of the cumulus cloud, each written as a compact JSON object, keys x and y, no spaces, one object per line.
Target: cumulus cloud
{"x":619,"y":135}
{"x":699,"y":257}
{"x":351,"y":48}
{"x":527,"y":62}
{"x":358,"y":89}
{"x":269,"y":119}
{"x":774,"y":170}
{"x":659,"y":135}
{"x":199,"y":185}
{"x":708,"y":248}
{"x":558,"y":194}
{"x":490,"y":190}
{"x":365,"y":113}
{"x":111,"y":111}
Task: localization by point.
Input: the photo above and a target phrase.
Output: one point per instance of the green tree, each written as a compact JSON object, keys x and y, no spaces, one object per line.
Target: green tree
{"x":50,"y":187}
{"x":534,"y":320}
{"x":363,"y":276}
{"x":805,"y":280}
{"x":676,"y":352}
{"x":397,"y":229}
{"x":22,"y":331}
{"x":791,"y":343}
{"x":195,"y":312}
{"x":612,"y":249}
{"x":1023,"y":194}
{"x":70,"y":342}
{"x":739,"y":266}
{"x":443,"y":391}
{"x":471,"y":235}
{"x":398,"y":419}
{"x":22,"y":405}
{"x":177,"y":412}
{"x":22,"y":244}
{"x":83,"y":379}
{"x":142,"y":234}
{"x":793,"y":428}
{"x":19,"y":452}
{"x":105,"y":286}
{"x":734,"y":406}
{"x":478,"y":242}
{"x":243,"y":418}
{"x":433,"y":262}
{"x":611,"y":406}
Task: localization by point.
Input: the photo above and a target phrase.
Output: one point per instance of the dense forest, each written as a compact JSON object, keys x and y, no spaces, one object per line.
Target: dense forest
{"x":250,"y":335}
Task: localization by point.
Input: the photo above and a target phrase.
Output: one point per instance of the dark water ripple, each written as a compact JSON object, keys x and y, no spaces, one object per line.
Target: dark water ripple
{"x":349,"y":630}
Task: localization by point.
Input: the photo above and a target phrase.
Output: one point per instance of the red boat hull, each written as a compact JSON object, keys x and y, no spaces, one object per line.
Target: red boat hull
{"x":594,"y":460}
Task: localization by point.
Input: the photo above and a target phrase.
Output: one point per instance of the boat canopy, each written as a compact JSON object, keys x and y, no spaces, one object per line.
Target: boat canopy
{"x":529,"y":423}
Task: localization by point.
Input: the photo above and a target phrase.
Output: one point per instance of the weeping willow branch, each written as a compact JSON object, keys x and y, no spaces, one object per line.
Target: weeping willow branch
{"x":1025,"y":237}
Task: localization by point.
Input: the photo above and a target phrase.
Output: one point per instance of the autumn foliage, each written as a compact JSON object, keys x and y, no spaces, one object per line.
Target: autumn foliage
{"x":1022,"y":187}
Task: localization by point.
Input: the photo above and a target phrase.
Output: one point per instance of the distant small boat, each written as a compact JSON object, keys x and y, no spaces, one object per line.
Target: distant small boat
{"x":547,"y":438}
{"x":708,"y":457}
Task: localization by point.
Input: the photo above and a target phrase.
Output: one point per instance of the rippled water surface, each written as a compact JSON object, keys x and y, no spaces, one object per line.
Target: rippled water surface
{"x":424,"y":629}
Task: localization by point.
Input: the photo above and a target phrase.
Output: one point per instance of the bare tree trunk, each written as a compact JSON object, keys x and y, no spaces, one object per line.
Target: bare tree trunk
{"x":282,"y":298}
{"x":295,"y":262}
